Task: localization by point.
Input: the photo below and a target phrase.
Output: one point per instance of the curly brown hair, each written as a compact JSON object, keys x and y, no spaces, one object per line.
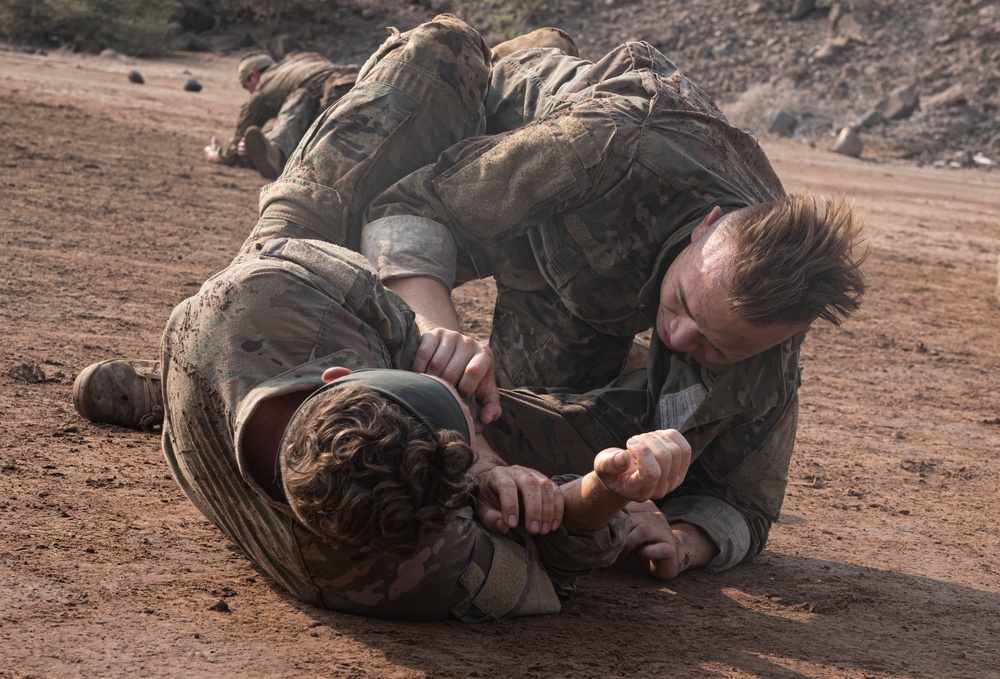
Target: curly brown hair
{"x":796,"y":259}
{"x":358,"y":470}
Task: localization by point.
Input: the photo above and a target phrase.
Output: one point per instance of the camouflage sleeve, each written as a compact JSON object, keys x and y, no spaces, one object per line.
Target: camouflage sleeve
{"x":490,"y":189}
{"x":736,"y":505}
{"x":566,"y":555}
{"x":410,"y":246}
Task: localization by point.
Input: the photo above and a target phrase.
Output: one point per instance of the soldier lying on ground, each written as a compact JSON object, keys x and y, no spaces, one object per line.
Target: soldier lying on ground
{"x":289,"y":94}
{"x":355,"y":495}
{"x":610,"y":196}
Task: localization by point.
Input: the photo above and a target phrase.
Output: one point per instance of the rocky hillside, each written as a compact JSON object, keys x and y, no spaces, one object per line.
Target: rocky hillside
{"x":916,"y":80}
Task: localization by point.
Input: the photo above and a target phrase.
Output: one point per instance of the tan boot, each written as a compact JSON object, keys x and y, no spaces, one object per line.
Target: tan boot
{"x":121,"y":391}
{"x":264,"y":155}
{"x":540,"y":37}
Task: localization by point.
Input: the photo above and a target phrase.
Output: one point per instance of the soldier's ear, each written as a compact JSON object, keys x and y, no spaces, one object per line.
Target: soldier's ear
{"x":335,"y":373}
{"x":711,"y":218}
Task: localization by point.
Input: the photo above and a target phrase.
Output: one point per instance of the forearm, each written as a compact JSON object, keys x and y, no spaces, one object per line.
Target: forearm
{"x":590,"y":505}
{"x":485,"y":457}
{"x":429,"y":300}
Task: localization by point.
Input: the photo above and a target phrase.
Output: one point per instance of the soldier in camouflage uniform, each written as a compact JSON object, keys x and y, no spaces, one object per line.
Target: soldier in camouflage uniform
{"x":612,"y":197}
{"x":290,"y":313}
{"x":291,"y":92}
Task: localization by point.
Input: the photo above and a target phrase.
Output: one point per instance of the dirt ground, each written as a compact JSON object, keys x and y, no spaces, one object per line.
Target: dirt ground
{"x":884,"y":564}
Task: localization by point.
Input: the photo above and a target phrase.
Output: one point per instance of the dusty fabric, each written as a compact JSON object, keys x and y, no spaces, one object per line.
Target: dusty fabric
{"x":314,"y":81}
{"x":269,"y":325}
{"x":592,"y":181}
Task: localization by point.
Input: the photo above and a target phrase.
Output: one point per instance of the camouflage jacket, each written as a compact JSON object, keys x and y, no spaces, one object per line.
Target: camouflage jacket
{"x":607,"y":168}
{"x":301,"y":70}
{"x":270,"y":325}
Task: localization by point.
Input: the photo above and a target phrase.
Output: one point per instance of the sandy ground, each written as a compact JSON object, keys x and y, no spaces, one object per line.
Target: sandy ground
{"x":885,"y":562}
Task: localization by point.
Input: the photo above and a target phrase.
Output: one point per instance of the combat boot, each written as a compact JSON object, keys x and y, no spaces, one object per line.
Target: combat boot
{"x":264,"y":155}
{"x":122,"y":391}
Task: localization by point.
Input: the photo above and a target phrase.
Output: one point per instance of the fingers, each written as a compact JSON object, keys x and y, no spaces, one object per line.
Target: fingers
{"x":541,"y":501}
{"x":652,"y":539}
{"x":612,"y":462}
{"x":515,"y":491}
{"x":662,"y":459}
{"x":448,"y":353}
{"x":464,"y":362}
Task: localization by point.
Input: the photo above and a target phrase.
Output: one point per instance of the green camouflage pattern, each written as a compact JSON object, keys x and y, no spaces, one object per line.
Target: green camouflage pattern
{"x":285,"y":310}
{"x":593,"y":180}
{"x":398,"y":117}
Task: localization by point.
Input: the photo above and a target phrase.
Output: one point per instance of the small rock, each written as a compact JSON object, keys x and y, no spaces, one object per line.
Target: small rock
{"x":110,"y":54}
{"x":801,"y":8}
{"x":828,"y":51}
{"x":901,"y":103}
{"x":192,"y":85}
{"x":950,"y":97}
{"x":782,"y":122}
{"x":836,"y":10}
{"x":135,"y":77}
{"x":873,"y":118}
{"x":848,"y":143}
{"x":32,"y":374}
{"x":220,"y":606}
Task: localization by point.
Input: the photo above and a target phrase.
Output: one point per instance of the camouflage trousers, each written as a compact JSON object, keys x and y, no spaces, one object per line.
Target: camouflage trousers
{"x":421,"y":92}
{"x":296,"y":115}
{"x":300,"y":109}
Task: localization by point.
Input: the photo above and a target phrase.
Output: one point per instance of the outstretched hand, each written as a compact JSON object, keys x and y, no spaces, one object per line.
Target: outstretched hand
{"x":504,"y":492}
{"x":213,"y":152}
{"x":463,"y":362}
{"x":651,"y":465}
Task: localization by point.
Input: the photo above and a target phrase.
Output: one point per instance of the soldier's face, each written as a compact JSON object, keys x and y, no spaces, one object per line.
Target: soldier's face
{"x":694,"y":314}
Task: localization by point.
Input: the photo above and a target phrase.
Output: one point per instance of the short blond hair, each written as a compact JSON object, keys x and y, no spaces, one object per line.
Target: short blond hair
{"x":796,"y":259}
{"x":358,"y":470}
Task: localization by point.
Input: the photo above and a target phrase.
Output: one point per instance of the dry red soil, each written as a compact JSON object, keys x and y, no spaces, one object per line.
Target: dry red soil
{"x":885,"y":562}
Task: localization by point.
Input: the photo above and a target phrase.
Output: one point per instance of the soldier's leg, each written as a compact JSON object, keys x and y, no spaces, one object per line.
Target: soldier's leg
{"x":296,"y":115}
{"x":420,"y":93}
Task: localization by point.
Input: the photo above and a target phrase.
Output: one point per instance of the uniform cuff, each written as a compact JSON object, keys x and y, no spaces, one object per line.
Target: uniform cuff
{"x":406,"y":245}
{"x":722,"y":522}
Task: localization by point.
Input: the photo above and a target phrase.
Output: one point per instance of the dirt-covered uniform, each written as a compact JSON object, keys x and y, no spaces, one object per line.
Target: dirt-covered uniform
{"x":592,"y":181}
{"x":269,"y":326}
{"x":292,"y":92}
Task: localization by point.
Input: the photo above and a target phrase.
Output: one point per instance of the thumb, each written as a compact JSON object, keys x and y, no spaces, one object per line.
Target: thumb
{"x":612,"y":462}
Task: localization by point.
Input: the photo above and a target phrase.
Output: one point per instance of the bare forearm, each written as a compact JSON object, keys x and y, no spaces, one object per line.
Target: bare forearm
{"x":429,"y":299}
{"x":486,"y":457}
{"x":590,"y":505}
